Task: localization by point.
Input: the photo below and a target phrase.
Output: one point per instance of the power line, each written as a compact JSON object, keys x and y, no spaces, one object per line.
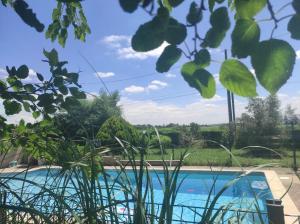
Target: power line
{"x":158,"y":98}
{"x":131,"y":78}
{"x":93,"y":68}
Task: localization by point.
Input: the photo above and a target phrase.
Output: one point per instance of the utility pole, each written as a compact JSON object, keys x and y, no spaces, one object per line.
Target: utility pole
{"x":295,"y":168}
{"x":231,"y":115}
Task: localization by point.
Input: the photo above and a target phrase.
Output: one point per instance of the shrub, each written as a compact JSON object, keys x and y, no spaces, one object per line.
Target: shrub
{"x":164,"y":140}
{"x":117,"y":127}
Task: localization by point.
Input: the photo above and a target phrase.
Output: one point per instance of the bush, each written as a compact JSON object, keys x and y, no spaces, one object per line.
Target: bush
{"x":174,"y":135}
{"x":118,"y":127}
{"x":164,"y":140}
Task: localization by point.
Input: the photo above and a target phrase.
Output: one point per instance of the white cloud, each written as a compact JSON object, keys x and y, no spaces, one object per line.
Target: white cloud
{"x":116,"y":41}
{"x":286,"y":99}
{"x":203,"y":111}
{"x":298,"y":54}
{"x":159,"y":83}
{"x":157,"y":113}
{"x":217,"y":79}
{"x":129,"y":53}
{"x":170,"y":75}
{"x":121,"y":46}
{"x":104,"y":74}
{"x":153,"y":85}
{"x":134,"y":89}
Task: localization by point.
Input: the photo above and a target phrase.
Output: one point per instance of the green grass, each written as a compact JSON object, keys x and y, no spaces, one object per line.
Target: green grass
{"x":219,"y":157}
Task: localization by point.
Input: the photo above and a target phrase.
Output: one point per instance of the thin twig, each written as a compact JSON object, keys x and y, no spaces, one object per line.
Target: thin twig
{"x":283,"y":7}
{"x":187,"y":47}
{"x":270,"y":8}
{"x":285,"y":17}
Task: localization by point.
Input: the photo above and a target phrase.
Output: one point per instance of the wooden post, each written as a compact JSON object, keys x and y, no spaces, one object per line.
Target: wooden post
{"x":275,"y":211}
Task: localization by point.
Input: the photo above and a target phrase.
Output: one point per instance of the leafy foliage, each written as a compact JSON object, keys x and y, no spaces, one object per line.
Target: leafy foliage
{"x":199,"y":79}
{"x":248,"y":9}
{"x":245,"y":37}
{"x":170,"y":56}
{"x":236,"y":77}
{"x":114,"y":127}
{"x":260,"y":123}
{"x":83,"y":120}
{"x":43,"y":96}
{"x":27,"y":15}
{"x":164,"y":141}
{"x":273,"y":61}
{"x":66,"y":14}
{"x":245,"y":43}
{"x":165,"y":27}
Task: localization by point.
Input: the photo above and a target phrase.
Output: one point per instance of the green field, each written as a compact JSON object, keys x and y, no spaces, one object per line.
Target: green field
{"x":219,"y":157}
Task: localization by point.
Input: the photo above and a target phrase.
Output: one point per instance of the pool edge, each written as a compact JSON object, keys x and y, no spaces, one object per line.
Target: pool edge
{"x":272,"y":178}
{"x":278,"y":190}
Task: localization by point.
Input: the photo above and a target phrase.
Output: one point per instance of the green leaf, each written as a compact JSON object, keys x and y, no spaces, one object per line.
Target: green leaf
{"x":146,"y":3}
{"x":2,"y":86}
{"x":195,"y":14}
{"x":293,"y":27}
{"x":36,"y":114}
{"x":66,"y":21}
{"x":11,"y":107}
{"x":176,"y":32}
{"x":245,"y":37}
{"x":211,"y":5}
{"x":296,"y":5}
{"x":273,"y":61}
{"x":23,"y":72}
{"x":199,"y":79}
{"x":202,"y":58}
{"x":69,"y":102}
{"x":169,"y":57}
{"x":63,"y":90}
{"x":56,"y":13}
{"x":205,"y":83}
{"x":40,"y":77}
{"x":45,"y":99}
{"x":53,"y":30}
{"x":236,"y":77}
{"x":151,"y":35}
{"x":63,"y":35}
{"x":175,"y":3}
{"x":167,"y":5}
{"x":76,"y":93}
{"x":129,"y":5}
{"x":58,"y":81}
{"x":27,"y":15}
{"x":29,"y":88}
{"x":26,"y":106}
{"x":219,"y":19}
{"x":50,"y":109}
{"x":52,"y":56}
{"x":213,"y":38}
{"x":249,"y":8}
{"x":188,"y":69}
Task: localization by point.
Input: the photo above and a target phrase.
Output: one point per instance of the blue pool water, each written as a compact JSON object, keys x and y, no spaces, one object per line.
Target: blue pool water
{"x":247,"y":193}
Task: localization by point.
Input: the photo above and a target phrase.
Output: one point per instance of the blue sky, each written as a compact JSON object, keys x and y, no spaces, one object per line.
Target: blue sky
{"x":147,"y":97}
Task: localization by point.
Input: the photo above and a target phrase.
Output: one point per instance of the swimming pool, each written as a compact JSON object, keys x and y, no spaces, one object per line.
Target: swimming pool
{"x":248,"y":193}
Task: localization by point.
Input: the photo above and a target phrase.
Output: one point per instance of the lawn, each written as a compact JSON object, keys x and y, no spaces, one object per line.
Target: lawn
{"x":219,"y":157}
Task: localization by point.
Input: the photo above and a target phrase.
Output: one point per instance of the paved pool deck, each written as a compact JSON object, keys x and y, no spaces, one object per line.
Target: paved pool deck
{"x":279,"y":180}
